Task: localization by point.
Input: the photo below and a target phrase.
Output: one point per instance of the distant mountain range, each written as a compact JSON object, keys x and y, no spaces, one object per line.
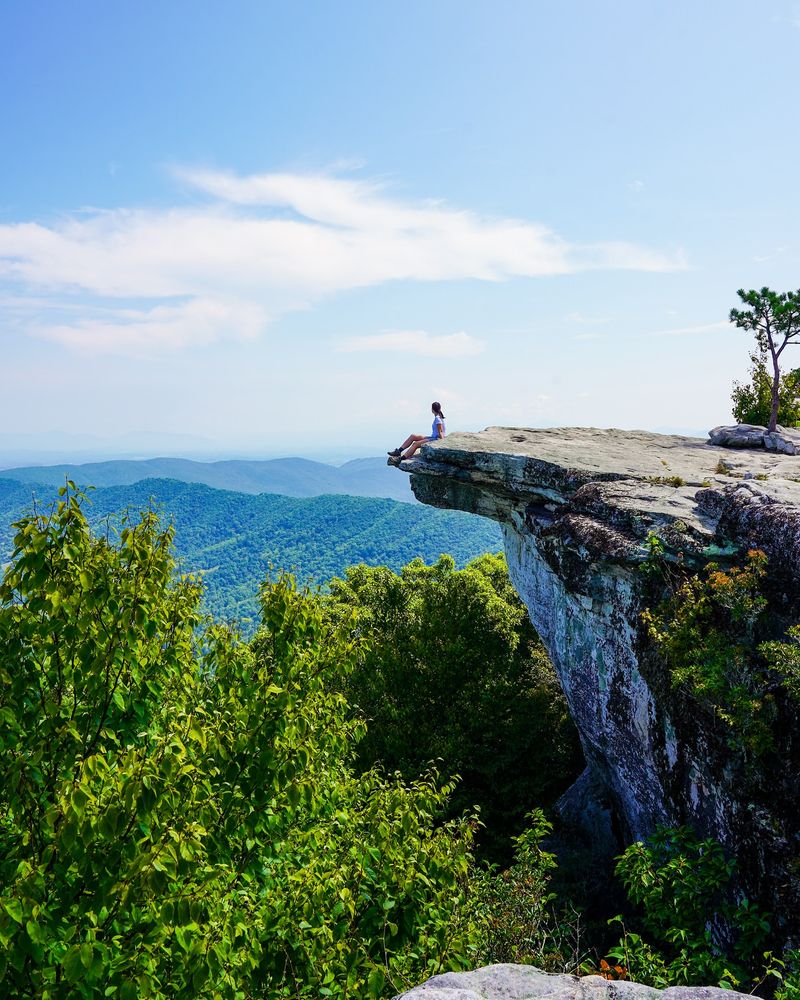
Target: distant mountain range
{"x":291,"y":477}
{"x":236,"y":539}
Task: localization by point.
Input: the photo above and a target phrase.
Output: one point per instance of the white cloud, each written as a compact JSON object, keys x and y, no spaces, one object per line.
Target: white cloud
{"x":268,"y":243}
{"x":770,"y":256}
{"x":578,"y":317}
{"x":684,"y":331}
{"x":167,"y":327}
{"x":417,"y":343}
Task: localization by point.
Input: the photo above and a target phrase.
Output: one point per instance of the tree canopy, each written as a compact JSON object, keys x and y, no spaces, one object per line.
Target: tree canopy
{"x":454,"y":672}
{"x":752,"y":401}
{"x":179,"y":811}
{"x":774,"y":318}
{"x":235,"y":539}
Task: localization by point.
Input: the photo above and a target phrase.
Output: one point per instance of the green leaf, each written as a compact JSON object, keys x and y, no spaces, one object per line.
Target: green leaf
{"x":34,"y":931}
{"x":73,"y":964}
{"x":13,"y":908}
{"x":376,"y":982}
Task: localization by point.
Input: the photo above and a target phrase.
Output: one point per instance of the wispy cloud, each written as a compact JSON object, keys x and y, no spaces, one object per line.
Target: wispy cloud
{"x":770,"y":256}
{"x":144,"y":333}
{"x":582,"y":320}
{"x":417,"y":343}
{"x":686,"y":331}
{"x":254,"y":247}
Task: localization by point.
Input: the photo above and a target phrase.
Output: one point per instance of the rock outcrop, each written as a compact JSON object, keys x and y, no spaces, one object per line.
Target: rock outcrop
{"x":524,"y":982}
{"x":755,"y":436}
{"x":579,"y":508}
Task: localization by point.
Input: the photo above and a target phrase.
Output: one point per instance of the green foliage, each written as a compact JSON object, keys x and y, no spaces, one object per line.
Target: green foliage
{"x":235,"y":539}
{"x":681,"y":886}
{"x":179,"y":814}
{"x":752,"y":402}
{"x":454,"y":672}
{"x":706,"y":632}
{"x":524,"y":922}
{"x":787,"y":972}
{"x":654,"y":564}
{"x":674,"y":481}
{"x":774,"y":319}
{"x":784,"y":658}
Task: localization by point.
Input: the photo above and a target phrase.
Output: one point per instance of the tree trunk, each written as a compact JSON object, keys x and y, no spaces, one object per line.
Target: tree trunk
{"x":776,"y":384}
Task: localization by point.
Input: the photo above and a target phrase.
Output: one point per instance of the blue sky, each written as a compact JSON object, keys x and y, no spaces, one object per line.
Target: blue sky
{"x":278,"y":228}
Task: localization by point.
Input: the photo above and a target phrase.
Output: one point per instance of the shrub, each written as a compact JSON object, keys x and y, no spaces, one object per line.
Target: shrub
{"x":681,"y":885}
{"x":454,"y":672}
{"x":523,"y":919}
{"x":752,"y":401}
{"x":706,"y":632}
{"x":179,"y":814}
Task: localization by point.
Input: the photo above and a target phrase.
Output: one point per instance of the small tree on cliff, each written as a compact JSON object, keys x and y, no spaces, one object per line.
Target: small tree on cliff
{"x":752,"y":401}
{"x":774,"y":318}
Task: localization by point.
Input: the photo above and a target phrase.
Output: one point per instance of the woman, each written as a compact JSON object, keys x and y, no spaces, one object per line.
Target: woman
{"x":415,"y":441}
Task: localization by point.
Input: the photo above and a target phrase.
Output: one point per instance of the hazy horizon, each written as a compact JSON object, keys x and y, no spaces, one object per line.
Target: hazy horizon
{"x":65,"y":449}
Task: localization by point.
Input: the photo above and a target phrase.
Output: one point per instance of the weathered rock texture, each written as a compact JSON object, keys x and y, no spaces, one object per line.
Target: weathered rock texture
{"x":524,"y":982}
{"x":577,"y":506}
{"x":754,"y":436}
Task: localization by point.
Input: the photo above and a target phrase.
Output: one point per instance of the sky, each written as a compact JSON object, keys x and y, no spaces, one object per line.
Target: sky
{"x":272,"y":228}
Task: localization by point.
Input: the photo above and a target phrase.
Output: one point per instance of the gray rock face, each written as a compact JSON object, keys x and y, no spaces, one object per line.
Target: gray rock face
{"x":785,"y":441}
{"x":577,"y":507}
{"x":524,"y":982}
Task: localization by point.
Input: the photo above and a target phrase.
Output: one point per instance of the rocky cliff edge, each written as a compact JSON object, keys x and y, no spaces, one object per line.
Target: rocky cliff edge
{"x":580,"y":509}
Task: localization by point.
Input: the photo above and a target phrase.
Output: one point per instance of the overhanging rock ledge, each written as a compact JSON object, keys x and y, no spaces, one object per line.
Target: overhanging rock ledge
{"x":578,"y":507}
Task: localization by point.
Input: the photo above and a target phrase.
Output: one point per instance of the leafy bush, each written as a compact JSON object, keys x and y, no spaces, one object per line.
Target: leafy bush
{"x":179,"y":814}
{"x":524,"y":920}
{"x":752,"y":401}
{"x":787,"y":972}
{"x":706,"y":631}
{"x":455,"y":672}
{"x":681,"y":886}
{"x":784,"y":658}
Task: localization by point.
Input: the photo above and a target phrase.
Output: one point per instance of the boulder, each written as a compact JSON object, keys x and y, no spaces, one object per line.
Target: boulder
{"x":525,"y":982}
{"x":787,"y":442}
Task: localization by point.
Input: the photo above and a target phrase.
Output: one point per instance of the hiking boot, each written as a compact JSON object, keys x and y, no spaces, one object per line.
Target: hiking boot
{"x":396,"y":453}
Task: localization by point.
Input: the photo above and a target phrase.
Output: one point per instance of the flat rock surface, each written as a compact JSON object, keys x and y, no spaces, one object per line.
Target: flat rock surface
{"x":525,"y":982}
{"x":607,"y":453}
{"x":619,"y":487}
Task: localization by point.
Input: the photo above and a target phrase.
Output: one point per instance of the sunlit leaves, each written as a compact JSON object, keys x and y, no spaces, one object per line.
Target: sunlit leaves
{"x":178,"y":814}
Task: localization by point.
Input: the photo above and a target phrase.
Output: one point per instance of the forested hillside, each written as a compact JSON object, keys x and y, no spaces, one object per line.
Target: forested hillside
{"x":292,"y":477}
{"x":235,"y":539}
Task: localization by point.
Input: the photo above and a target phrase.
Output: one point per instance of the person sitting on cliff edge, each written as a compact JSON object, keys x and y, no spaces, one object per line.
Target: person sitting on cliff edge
{"x":414,"y":441}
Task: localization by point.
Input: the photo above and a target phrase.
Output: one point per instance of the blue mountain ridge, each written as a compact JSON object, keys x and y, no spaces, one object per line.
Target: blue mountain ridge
{"x":293,"y":477}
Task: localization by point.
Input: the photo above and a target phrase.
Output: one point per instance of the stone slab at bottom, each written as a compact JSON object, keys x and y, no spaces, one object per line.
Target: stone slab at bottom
{"x":526,"y":982}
